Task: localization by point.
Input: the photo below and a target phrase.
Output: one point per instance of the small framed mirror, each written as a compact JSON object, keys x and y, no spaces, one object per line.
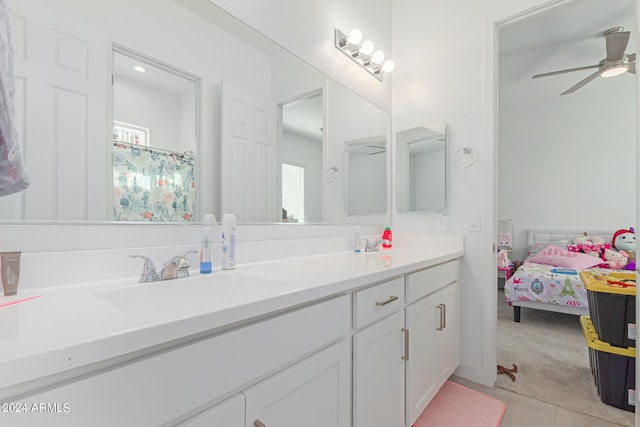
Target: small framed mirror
{"x":421,"y":169}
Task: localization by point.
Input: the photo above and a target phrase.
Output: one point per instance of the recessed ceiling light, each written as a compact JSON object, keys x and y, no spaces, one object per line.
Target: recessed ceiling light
{"x":139,"y":68}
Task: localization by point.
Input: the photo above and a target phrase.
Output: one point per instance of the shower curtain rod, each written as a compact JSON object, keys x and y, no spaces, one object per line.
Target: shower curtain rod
{"x":153,"y":149}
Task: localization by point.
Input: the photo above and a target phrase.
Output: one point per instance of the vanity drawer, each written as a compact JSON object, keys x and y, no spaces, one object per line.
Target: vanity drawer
{"x":377,"y":301}
{"x":429,"y":280}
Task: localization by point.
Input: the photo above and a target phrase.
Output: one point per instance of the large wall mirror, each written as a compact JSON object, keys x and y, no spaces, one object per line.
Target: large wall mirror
{"x":69,"y":149}
{"x":421,"y":169}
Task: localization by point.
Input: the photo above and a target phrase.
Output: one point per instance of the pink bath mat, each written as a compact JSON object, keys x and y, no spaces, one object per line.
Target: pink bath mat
{"x":458,"y":406}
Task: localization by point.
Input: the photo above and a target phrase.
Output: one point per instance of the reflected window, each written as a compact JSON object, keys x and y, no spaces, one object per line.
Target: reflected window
{"x":292,"y":193}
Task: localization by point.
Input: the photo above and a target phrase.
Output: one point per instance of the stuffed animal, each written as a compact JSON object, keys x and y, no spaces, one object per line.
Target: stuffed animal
{"x":625,"y":240}
{"x":615,"y":259}
{"x":503,"y":259}
{"x":585,"y":239}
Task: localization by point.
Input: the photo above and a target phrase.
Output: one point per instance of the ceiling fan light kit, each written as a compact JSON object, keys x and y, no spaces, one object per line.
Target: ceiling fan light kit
{"x":614,"y":64}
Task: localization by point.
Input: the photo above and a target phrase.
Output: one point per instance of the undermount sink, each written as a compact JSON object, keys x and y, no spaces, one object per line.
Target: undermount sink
{"x":214,"y":290}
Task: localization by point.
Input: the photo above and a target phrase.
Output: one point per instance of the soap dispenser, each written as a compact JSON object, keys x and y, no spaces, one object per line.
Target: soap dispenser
{"x":205,"y":245}
{"x":357,"y":241}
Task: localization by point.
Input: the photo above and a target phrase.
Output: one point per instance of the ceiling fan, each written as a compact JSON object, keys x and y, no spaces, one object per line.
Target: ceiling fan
{"x":614,"y":64}
{"x":381,"y":148}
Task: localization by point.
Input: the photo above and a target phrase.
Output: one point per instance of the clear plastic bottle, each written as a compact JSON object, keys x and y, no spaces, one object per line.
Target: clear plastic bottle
{"x":357,"y":241}
{"x":228,"y":242}
{"x":205,"y":245}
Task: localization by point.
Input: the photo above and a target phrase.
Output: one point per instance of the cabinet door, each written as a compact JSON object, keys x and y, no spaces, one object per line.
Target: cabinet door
{"x":448,"y":333}
{"x":378,"y":379}
{"x":315,"y":392}
{"x":229,"y":413}
{"x":421,"y":318}
{"x":433,"y":327}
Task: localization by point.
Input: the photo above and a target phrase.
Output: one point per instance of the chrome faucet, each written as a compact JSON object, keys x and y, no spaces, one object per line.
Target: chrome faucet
{"x":374,"y":246}
{"x":175,"y":268}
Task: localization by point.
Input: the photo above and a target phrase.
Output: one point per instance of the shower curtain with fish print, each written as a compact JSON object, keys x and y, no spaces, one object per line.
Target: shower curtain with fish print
{"x":152,"y":185}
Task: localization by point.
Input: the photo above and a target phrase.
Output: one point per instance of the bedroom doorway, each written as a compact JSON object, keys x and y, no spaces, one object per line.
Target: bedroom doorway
{"x":537,"y":167}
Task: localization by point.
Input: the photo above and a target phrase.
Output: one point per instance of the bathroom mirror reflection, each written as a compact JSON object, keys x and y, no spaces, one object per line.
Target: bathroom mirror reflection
{"x":365,"y":176}
{"x":421,"y":169}
{"x":301,"y":148}
{"x":64,"y":100}
{"x":155,"y":140}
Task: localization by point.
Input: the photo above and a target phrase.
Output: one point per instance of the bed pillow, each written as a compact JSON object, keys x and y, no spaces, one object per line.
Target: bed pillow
{"x":537,"y":247}
{"x":558,"y":257}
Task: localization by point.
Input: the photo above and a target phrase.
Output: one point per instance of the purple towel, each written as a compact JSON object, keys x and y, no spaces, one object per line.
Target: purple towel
{"x":13,"y":177}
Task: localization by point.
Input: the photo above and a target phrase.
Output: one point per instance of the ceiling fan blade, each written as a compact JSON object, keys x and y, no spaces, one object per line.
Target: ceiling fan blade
{"x":568,"y":70}
{"x":581,"y":83}
{"x":616,"y":44}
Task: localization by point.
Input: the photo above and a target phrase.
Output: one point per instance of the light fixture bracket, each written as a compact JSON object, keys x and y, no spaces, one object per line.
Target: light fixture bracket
{"x":353,"y":52}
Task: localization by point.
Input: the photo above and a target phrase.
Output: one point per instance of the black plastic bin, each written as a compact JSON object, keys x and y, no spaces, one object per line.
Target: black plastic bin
{"x":613,"y":369}
{"x":612,"y":306}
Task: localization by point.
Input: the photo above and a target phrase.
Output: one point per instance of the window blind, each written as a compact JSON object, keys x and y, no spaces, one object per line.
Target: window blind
{"x":293,"y":192}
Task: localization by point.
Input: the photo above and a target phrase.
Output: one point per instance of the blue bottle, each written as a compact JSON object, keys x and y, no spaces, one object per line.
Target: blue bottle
{"x":205,"y":245}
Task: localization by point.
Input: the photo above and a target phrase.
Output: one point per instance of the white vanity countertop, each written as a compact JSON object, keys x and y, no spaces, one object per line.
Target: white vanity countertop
{"x":70,"y":327}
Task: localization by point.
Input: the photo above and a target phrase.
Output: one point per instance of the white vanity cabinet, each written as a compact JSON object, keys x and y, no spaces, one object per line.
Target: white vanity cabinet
{"x":167,"y":386}
{"x":401,"y":360}
{"x":316,"y":392}
{"x":433,"y":325}
{"x":372,"y":354}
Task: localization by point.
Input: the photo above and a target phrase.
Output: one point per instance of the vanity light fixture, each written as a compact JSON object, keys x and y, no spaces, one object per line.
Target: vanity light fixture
{"x":363,"y":53}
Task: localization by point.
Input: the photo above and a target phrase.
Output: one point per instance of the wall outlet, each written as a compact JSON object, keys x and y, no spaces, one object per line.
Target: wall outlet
{"x":443,"y":222}
{"x":474,"y":222}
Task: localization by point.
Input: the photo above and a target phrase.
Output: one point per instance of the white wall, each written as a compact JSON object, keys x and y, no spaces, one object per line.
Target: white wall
{"x":570,"y":162}
{"x":150,"y":107}
{"x":305,"y":152}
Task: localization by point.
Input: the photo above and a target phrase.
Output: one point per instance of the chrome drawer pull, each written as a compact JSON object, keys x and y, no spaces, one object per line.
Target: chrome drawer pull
{"x":443,"y":318}
{"x":406,"y":344}
{"x":391,"y":299}
{"x":258,"y":423}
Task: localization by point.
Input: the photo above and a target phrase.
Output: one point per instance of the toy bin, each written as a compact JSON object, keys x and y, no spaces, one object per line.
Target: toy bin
{"x":613,"y":369}
{"x":612,"y":306}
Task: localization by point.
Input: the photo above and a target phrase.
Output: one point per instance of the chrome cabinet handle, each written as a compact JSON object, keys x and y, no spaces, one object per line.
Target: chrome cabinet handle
{"x":443,"y":316}
{"x":258,"y":423}
{"x":391,"y":299}
{"x":406,"y":344}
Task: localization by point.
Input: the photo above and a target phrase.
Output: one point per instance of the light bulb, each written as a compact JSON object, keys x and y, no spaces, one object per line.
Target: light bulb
{"x":366,"y":48}
{"x":355,"y":36}
{"x":377,"y":57}
{"x":139,"y":68}
{"x":388,"y":66}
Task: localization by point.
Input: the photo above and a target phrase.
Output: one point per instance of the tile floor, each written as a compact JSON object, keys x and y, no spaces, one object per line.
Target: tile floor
{"x":523,"y":411}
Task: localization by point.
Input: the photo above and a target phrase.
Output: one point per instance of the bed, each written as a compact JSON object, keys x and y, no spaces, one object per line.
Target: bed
{"x":550,"y":287}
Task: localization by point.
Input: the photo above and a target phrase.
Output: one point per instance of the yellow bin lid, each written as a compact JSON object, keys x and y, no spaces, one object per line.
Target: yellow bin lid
{"x":615,"y":282}
{"x":594,"y":342}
